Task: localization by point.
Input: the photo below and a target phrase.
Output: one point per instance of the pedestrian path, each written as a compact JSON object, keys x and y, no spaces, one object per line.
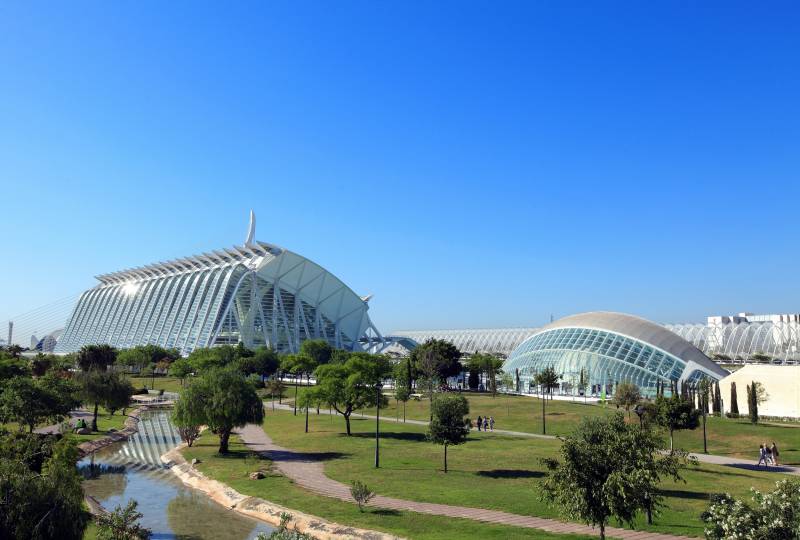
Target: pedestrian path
{"x":712,"y":459}
{"x":73,"y":415}
{"x":308,"y":471}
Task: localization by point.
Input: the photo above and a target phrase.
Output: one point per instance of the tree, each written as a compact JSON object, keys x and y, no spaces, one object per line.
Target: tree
{"x":548,"y":379}
{"x":675,"y":413}
{"x":206,"y":359}
{"x":107,"y":388}
{"x":143,"y":356}
{"x":40,"y":364}
{"x":30,"y":402}
{"x":402,"y":394}
{"x":221,"y":399}
{"x":440,"y":357}
{"x":350,"y":386}
{"x":122,"y":524}
{"x":319,"y":350}
{"x":774,"y":515}
{"x":734,"y":401}
{"x":627,"y":396}
{"x":298,"y":365}
{"x":717,"y":399}
{"x":474,"y":378}
{"x":96,"y":357}
{"x":449,"y":425}
{"x":264,"y":362}
{"x":41,"y":489}
{"x":275,"y":386}
{"x":583,"y":382}
{"x":488,"y":365}
{"x":361,"y":494}
{"x":608,"y":469}
{"x":181,"y":368}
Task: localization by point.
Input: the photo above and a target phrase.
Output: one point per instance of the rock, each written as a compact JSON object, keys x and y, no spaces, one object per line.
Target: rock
{"x":258,"y":475}
{"x":112,"y":430}
{"x":84,"y":431}
{"x":195,"y":461}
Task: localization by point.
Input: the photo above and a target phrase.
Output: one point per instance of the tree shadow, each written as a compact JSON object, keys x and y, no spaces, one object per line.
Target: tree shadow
{"x":385,"y":512}
{"x":760,"y":468}
{"x":414,"y":437}
{"x":510,"y":473}
{"x":288,"y":455}
{"x":683,"y":494}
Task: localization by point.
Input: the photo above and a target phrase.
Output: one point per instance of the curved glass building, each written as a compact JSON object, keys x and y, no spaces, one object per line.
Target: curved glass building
{"x":610,"y":348}
{"x":257,"y":294}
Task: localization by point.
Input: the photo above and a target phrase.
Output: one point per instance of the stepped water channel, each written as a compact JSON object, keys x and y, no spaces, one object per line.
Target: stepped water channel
{"x":133,"y":470}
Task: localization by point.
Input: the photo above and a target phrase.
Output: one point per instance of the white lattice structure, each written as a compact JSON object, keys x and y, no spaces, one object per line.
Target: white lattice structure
{"x":738,"y":341}
{"x":499,"y":341}
{"x":257,"y":293}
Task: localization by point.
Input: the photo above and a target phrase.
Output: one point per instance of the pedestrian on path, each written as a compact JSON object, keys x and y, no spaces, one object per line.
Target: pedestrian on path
{"x":762,"y":456}
{"x":768,"y":451}
{"x":479,"y":422}
{"x":775,"y":453}
{"x":491,"y":423}
{"x":485,"y":423}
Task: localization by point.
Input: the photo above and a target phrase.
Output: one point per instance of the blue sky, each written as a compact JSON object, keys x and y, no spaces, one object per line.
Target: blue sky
{"x":470,"y":164}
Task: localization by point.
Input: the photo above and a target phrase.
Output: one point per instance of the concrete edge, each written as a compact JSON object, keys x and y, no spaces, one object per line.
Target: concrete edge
{"x":261,"y":509}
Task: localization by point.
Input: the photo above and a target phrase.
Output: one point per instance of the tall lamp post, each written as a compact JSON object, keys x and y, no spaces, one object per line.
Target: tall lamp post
{"x":378,"y":388}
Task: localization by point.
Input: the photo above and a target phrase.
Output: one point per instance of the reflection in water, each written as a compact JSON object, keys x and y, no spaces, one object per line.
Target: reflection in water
{"x":133,"y":470}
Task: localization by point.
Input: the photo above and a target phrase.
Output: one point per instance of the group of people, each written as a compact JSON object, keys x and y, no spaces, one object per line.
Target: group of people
{"x":487,"y":422}
{"x":768,"y":454}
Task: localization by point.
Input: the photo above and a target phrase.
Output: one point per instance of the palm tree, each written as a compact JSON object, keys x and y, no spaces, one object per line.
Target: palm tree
{"x":547,"y":379}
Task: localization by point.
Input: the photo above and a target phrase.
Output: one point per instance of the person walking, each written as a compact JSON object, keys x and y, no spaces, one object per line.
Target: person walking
{"x":768,"y":452}
{"x":491,"y":424}
{"x":480,"y":421}
{"x":762,"y":455}
{"x":775,"y":453}
{"x":485,"y":423}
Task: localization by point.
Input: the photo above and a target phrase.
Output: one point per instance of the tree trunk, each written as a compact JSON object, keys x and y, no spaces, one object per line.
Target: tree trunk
{"x":224,"y":437}
{"x":544,"y":421}
{"x":306,"y":418}
{"x":94,"y":418}
{"x":295,"y":397}
{"x":602,"y":531}
{"x":347,"y":423}
{"x":404,"y":412}
{"x":671,"y":440}
{"x":445,"y":457}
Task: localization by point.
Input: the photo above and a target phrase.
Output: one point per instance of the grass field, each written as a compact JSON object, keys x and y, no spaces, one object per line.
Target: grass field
{"x":104,"y":423}
{"x":233,"y":469}
{"x":490,"y":471}
{"x":168,"y":384}
{"x":726,"y":436}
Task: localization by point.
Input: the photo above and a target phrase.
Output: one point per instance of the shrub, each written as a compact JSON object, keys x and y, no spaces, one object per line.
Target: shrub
{"x":772,"y":515}
{"x":361,"y":494}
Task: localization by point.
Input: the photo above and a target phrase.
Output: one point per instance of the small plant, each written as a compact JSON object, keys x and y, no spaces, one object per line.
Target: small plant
{"x":122,"y":524}
{"x":283,"y":532}
{"x":361,"y":494}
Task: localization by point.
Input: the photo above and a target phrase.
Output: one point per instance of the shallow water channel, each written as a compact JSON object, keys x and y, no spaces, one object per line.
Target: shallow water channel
{"x":133,"y":470}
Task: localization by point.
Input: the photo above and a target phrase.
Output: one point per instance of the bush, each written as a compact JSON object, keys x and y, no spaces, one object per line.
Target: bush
{"x":771,"y":515}
{"x":140,"y":391}
{"x":256,"y":381}
{"x":361,"y":494}
{"x":733,"y":415}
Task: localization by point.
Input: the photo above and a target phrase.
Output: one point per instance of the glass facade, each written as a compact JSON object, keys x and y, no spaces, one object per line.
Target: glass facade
{"x":258,"y":294}
{"x":606,"y":358}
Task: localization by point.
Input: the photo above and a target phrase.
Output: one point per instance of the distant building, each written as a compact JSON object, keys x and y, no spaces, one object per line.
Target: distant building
{"x":781,"y":384}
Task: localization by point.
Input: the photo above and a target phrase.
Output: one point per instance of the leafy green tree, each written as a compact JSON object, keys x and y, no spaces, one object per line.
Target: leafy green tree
{"x":299,"y":365}
{"x":31,"y":402}
{"x":350,"y":386}
{"x":108,"y":388}
{"x":450,"y":425}
{"x":488,"y":365}
{"x":12,"y":367}
{"x":40,"y":364}
{"x":275,"y":387}
{"x":609,"y":469}
{"x":96,"y":357}
{"x":181,"y":368}
{"x":263,"y":362}
{"x":547,"y":379}
{"x":122,"y":524}
{"x":734,"y":400}
{"x":675,"y":413}
{"x":774,"y":515}
{"x":41,"y":495}
{"x":402,"y":395}
{"x":206,"y":359}
{"x":473,"y":378}
{"x":627,"y":396}
{"x":319,"y":350}
{"x":437,"y":359}
{"x":221,"y":399}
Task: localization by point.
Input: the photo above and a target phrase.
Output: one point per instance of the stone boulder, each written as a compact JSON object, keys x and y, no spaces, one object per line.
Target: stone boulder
{"x":258,"y":475}
{"x":84,"y":431}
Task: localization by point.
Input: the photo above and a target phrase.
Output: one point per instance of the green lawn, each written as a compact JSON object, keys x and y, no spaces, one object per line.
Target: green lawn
{"x":726,"y":436}
{"x":104,"y":423}
{"x":233,"y":469}
{"x":169,"y":384}
{"x":490,"y":471}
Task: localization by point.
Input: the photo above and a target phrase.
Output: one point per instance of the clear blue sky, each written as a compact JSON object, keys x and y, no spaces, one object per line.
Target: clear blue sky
{"x":471,"y":164}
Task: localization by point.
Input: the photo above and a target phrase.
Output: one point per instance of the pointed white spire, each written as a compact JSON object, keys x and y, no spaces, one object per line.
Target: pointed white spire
{"x":251,"y":230}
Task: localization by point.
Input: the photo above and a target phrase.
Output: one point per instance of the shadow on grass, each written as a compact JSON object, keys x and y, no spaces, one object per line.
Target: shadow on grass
{"x":288,"y":455}
{"x":385,"y":512}
{"x":510,"y":473}
{"x":413,"y":437}
{"x":683,"y":494}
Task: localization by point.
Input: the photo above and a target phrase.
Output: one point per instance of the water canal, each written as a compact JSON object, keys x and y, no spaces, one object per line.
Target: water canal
{"x":133,"y":470}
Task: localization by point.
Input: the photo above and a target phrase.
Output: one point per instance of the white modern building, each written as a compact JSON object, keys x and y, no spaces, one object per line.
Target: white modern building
{"x":256,"y":293}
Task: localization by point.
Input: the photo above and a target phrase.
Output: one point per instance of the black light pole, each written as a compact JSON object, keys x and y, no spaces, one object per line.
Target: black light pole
{"x":377,"y":425}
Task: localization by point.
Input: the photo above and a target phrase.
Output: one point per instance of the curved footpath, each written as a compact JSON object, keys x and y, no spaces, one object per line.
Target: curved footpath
{"x":712,"y":459}
{"x":309,"y":473}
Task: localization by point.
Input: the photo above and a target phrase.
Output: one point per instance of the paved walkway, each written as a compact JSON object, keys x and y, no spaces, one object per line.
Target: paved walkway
{"x":308,"y":471}
{"x":73,"y":415}
{"x":703,"y":458}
